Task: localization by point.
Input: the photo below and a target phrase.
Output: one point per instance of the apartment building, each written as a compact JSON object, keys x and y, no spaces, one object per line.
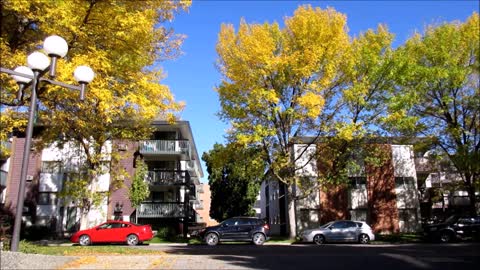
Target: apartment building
{"x":386,"y":197}
{"x":174,"y":171}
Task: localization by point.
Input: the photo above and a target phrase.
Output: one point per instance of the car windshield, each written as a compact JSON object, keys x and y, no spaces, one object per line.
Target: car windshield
{"x":451,"y":219}
{"x":326,"y":225}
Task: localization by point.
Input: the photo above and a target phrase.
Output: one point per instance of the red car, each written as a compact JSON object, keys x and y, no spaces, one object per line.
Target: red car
{"x":114,"y":231}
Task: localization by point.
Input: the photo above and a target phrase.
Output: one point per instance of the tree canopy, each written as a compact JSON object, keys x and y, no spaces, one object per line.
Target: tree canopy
{"x":122,"y":41}
{"x":234,"y":176}
{"x":308,"y":79}
{"x":437,"y":94}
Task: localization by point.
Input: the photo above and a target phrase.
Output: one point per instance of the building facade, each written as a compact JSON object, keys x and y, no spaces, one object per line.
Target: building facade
{"x":173,"y":175}
{"x":386,"y":197}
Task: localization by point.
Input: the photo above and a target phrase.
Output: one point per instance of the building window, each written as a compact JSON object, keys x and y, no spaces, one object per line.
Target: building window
{"x":51,"y":166}
{"x":359,"y":214}
{"x":405,"y":182}
{"x":47,"y":198}
{"x":358,"y":182}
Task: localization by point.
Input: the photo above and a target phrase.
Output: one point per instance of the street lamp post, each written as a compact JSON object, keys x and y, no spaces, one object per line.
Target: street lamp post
{"x":39,"y":64}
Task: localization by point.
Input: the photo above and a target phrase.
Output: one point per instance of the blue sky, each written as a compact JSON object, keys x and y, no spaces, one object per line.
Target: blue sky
{"x":192,"y":77}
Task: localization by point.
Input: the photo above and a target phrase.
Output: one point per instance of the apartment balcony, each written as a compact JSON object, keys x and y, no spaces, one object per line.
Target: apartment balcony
{"x":5,"y":149}
{"x":161,"y":210}
{"x":157,"y":149}
{"x":168,"y":177}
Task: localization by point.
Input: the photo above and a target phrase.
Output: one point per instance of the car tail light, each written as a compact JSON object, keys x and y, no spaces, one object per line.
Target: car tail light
{"x":266,"y":227}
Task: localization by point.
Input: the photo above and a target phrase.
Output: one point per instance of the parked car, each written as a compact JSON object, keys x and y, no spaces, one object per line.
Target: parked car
{"x":114,"y":232}
{"x":246,"y":229}
{"x":339,"y":231}
{"x":455,"y":227}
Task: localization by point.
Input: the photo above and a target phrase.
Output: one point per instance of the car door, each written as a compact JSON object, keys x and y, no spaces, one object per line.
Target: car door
{"x":245,"y":227}
{"x":334,"y":232}
{"x":102,"y":233}
{"x":350,"y":231}
{"x":228,"y":229}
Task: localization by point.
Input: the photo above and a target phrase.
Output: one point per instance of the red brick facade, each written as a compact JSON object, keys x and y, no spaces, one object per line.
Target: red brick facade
{"x":121,"y":195}
{"x":382,"y":199}
{"x":333,"y":203}
{"x":382,"y":212}
{"x":13,"y":180}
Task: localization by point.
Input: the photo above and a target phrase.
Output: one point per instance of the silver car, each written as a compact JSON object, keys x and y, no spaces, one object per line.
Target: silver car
{"x":340,"y":231}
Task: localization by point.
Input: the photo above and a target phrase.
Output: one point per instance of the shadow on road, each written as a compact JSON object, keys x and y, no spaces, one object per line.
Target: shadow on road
{"x":452,"y":256}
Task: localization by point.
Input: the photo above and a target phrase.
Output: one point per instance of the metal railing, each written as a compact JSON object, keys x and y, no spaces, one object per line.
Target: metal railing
{"x":168,"y":177}
{"x":152,"y":210}
{"x":165,"y":147}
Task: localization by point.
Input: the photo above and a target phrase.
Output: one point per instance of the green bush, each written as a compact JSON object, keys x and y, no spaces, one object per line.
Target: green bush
{"x":36,"y":232}
{"x":166,"y":233}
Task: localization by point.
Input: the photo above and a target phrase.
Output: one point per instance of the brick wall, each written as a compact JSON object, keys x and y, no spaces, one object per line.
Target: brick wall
{"x":121,"y":195}
{"x":13,"y":184}
{"x":333,"y":203}
{"x":382,"y":200}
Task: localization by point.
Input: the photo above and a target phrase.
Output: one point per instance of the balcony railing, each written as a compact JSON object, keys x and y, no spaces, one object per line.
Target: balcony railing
{"x":167,"y":210}
{"x":168,"y":177}
{"x":162,"y":147}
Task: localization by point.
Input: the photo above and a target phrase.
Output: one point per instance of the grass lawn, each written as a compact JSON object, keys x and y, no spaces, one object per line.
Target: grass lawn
{"x":400,"y":238}
{"x":76,"y":250}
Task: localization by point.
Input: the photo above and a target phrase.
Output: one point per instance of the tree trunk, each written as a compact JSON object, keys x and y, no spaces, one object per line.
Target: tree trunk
{"x":83,"y":219}
{"x":292,"y":221}
{"x":471,"y":194}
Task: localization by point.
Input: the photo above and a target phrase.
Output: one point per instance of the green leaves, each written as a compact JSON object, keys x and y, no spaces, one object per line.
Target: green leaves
{"x":139,"y":190}
{"x":235,"y":174}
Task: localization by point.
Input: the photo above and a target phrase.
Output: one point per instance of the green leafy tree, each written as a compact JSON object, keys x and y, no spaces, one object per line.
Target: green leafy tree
{"x":438,"y":94}
{"x":235,"y":175}
{"x":139,"y":190}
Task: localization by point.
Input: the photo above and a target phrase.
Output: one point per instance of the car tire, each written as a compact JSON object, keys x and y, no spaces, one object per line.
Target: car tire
{"x":84,"y":240}
{"x":258,"y":239}
{"x":211,"y":239}
{"x":363,"y":239}
{"x":319,"y":239}
{"x":132,"y":240}
{"x":446,"y":237}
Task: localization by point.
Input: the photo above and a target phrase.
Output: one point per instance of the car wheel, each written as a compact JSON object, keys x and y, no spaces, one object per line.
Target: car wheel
{"x":211,"y":239}
{"x":363,"y":239}
{"x":258,"y":239}
{"x":319,"y":239}
{"x":84,"y":240}
{"x":446,"y":237}
{"x":132,"y":240}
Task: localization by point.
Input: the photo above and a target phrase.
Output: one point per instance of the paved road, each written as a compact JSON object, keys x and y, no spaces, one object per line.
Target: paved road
{"x":460,"y":256}
{"x":414,"y":256}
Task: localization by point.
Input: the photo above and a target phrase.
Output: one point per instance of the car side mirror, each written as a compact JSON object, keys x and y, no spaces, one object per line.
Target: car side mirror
{"x":330,"y":227}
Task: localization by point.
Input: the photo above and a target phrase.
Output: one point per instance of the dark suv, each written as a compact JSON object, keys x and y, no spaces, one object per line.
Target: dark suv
{"x":454,"y":227}
{"x":246,"y":229}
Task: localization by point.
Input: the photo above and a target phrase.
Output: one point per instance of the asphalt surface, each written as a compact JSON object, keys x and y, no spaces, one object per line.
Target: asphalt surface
{"x":458,"y":256}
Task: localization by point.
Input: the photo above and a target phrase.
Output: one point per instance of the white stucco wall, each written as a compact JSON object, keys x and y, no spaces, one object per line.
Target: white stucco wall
{"x":305,"y":160}
{"x":407,"y":196}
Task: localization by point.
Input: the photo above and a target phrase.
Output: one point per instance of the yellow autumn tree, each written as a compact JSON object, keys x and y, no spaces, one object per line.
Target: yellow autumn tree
{"x":309,"y":78}
{"x":274,"y":79}
{"x":120,"y":41}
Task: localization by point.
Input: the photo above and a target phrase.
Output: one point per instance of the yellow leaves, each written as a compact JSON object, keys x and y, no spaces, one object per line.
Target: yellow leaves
{"x":318,"y":37}
{"x":312,"y":104}
{"x":349,"y":132}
